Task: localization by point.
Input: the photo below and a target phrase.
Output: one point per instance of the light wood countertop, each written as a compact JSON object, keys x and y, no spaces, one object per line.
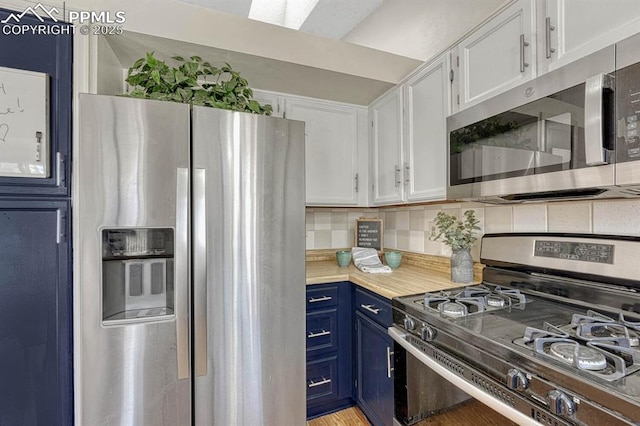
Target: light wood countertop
{"x":407,"y":279}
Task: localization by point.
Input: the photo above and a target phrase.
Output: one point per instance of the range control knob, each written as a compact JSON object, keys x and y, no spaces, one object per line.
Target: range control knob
{"x":560,"y":403}
{"x":409,"y":323}
{"x":427,"y":333}
{"x":516,"y":380}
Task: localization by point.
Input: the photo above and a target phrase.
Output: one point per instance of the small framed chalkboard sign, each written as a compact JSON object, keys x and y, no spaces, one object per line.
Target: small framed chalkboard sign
{"x":369,"y":233}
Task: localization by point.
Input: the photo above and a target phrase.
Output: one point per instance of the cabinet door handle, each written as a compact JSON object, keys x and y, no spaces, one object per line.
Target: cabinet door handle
{"x":370,"y":308}
{"x":389,"y":367}
{"x":320,"y":299}
{"x":523,"y":44}
{"x":548,"y":28}
{"x":313,"y":384}
{"x":398,"y":180}
{"x":407,"y":175}
{"x":357,"y":182}
{"x":319,"y":334}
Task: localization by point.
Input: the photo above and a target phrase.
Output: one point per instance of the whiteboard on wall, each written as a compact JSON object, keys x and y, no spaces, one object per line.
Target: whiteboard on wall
{"x":24,"y":123}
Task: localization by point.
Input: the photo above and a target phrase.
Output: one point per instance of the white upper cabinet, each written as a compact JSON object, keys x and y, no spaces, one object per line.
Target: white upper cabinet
{"x":331,"y":150}
{"x":385,"y":116}
{"x":570,"y":29}
{"x":497,"y":56}
{"x":427,"y":103}
{"x":270,"y":98}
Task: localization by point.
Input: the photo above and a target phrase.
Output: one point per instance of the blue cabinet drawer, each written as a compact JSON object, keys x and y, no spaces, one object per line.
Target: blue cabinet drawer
{"x":322,"y":297}
{"x":321,"y":379}
{"x":373,"y":306}
{"x":322,"y":331}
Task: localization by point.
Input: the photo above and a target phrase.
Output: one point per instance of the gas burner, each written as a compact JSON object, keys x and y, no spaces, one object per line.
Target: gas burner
{"x":453,"y":309}
{"x":587,"y":358}
{"x":495,"y":301}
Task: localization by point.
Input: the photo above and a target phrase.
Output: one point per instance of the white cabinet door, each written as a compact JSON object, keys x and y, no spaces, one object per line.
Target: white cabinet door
{"x":331,"y":157}
{"x":499,"y":55}
{"x":427,"y":98}
{"x":571,"y":29}
{"x":386,"y":121}
{"x":270,"y":98}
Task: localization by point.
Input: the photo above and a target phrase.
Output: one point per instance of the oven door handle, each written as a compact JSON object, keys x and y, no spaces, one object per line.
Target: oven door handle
{"x":399,"y":336}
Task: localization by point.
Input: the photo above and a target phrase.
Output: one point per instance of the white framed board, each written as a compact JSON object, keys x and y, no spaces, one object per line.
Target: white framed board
{"x":24,"y":123}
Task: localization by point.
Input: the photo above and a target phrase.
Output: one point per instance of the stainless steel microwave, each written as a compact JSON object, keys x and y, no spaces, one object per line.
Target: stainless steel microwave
{"x":568,"y":134}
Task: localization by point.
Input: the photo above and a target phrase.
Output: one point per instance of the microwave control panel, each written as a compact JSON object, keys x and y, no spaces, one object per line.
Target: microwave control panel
{"x":628,"y":112}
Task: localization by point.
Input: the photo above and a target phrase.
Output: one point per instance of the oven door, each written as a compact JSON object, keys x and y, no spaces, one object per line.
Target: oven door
{"x":554,"y":133}
{"x":442,"y":375}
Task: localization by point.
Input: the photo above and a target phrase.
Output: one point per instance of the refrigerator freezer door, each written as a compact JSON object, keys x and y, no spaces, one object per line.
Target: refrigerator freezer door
{"x":253,"y":172}
{"x":133,"y":174}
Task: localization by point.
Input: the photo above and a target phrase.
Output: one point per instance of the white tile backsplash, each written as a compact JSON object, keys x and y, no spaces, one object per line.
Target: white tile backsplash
{"x":402,"y":220}
{"x":569,"y":217}
{"x":530,"y":218}
{"x":617,"y":217}
{"x":498,"y":219}
{"x":325,"y":227}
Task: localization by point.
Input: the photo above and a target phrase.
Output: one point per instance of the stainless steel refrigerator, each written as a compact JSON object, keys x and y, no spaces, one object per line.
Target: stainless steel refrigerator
{"x":190,"y":273}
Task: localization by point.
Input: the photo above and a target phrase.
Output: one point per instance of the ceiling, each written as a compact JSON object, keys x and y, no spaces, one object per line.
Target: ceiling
{"x":327,"y":18}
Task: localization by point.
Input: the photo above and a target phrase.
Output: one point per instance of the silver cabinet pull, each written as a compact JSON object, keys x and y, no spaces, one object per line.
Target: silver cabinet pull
{"x":523,"y":44}
{"x":548,"y":28}
{"x":182,"y":273}
{"x":406,"y":173}
{"x":200,"y":272}
{"x":320,"y":383}
{"x":319,"y":334}
{"x":370,"y":308}
{"x":398,"y":179}
{"x":593,"y":120}
{"x":357,"y":182}
{"x":389,"y":367}
{"x":320,"y":299}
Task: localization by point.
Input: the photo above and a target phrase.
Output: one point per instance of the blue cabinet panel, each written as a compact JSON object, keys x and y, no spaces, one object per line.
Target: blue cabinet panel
{"x":35,"y":314}
{"x":373,"y":356}
{"x":322,"y":332}
{"x":51,"y":54}
{"x":329,"y":360}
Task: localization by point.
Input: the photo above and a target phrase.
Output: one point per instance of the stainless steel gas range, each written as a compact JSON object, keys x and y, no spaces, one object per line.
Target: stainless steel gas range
{"x":551,"y":335}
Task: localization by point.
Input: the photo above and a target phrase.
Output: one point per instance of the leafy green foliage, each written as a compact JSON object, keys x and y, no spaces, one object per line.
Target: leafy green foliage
{"x":195,"y":82}
{"x":455,"y":233}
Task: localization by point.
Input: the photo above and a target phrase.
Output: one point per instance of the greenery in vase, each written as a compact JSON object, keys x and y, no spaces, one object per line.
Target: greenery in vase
{"x":457,"y":234}
{"x":194,"y":82}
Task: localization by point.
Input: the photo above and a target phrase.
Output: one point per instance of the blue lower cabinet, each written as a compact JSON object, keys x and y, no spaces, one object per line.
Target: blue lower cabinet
{"x":329,"y":355}
{"x":35,"y":314}
{"x":374,"y":364}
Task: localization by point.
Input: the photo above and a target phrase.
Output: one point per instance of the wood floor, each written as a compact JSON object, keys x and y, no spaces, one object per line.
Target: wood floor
{"x":471,"y":413}
{"x":349,"y":417}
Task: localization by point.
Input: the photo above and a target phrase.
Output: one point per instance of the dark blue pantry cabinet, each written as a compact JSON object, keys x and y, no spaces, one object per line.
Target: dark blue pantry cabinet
{"x":36,"y":365}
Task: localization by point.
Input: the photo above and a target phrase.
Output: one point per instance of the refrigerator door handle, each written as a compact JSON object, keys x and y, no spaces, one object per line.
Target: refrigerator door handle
{"x":200,"y":271}
{"x":182,"y":273}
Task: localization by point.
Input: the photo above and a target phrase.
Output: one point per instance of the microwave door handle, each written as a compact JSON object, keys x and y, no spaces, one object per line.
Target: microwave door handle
{"x":593,"y":120}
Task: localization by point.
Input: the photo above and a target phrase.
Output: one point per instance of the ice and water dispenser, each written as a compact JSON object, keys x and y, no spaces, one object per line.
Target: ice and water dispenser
{"x":137,"y":274}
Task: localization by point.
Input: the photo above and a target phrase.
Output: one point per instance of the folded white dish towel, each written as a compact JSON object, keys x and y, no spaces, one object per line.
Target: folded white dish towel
{"x":367,"y":260}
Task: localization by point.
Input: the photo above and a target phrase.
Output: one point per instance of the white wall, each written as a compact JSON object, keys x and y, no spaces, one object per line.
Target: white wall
{"x":420,"y":29}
